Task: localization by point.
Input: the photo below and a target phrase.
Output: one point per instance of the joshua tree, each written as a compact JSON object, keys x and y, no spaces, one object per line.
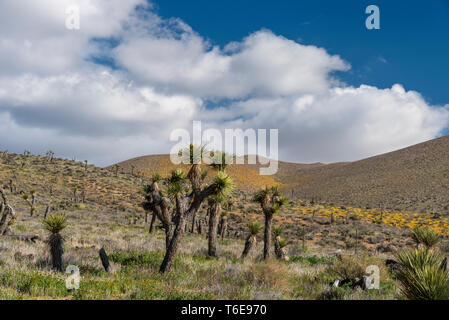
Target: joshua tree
{"x":302,"y":232}
{"x":279,"y":243}
{"x":48,"y":210}
{"x":187,"y":205}
{"x":116,"y":168}
{"x":31,"y":202}
{"x":50,"y":155}
{"x":159,"y":204}
{"x":220,"y":161}
{"x":7,"y":213}
{"x":223,"y":225}
{"x":271,"y":201}
{"x":186,"y":193}
{"x":254,"y":229}
{"x":54,"y":224}
{"x":12,"y":187}
{"x":75,"y":194}
{"x":149,"y":206}
{"x":194,"y":218}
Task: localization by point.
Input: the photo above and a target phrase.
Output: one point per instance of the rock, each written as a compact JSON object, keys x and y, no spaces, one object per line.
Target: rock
{"x":392,"y":265}
{"x":385,"y":247}
{"x":364,"y":283}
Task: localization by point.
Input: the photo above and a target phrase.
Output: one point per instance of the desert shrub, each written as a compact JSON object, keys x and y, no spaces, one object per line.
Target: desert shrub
{"x":421,"y":276}
{"x":268,"y":273}
{"x":347,"y":267}
{"x":427,"y":237}
{"x":351,"y":267}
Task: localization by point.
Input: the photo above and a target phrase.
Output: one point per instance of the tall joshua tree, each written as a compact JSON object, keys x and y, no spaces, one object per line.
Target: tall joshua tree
{"x":184,"y":193}
{"x":54,"y":224}
{"x":219,"y":162}
{"x":31,"y":202}
{"x":254,"y":229}
{"x":188,"y":204}
{"x":271,"y":200}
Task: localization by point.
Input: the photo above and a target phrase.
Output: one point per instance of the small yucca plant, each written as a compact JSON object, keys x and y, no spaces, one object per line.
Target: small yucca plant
{"x":277,"y":231}
{"x":283,"y":242}
{"x":254,"y":227}
{"x":427,"y":237}
{"x":421,"y":275}
{"x":156,"y":177}
{"x":54,"y":224}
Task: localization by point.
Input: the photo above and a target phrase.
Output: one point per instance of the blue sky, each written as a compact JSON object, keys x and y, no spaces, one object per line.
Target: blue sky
{"x":412,"y":47}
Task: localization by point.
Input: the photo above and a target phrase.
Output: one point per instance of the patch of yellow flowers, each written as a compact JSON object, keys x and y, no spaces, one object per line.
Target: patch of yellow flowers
{"x":380,"y":216}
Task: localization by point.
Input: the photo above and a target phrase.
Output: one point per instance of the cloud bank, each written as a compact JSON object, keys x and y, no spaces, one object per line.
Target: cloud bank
{"x":118,"y":86}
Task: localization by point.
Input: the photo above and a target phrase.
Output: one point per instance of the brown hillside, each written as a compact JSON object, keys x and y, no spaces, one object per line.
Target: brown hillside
{"x":413,"y":179}
{"x":246,"y":177}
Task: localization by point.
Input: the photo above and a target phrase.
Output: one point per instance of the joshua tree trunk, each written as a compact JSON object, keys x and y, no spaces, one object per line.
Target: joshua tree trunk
{"x":224,"y":228}
{"x":249,"y":244}
{"x":214,"y":214}
{"x":6,"y":211}
{"x":193,"y":223}
{"x":267,"y":235}
{"x":280,"y":253}
{"x":153,"y":219}
{"x":47,"y":211}
{"x":56,"y":243}
{"x":199,"y":226}
{"x":169,"y":258}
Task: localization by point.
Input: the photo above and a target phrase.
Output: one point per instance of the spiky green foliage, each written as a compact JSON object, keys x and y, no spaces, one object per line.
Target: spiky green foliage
{"x":277,"y":231}
{"x":261,"y":195}
{"x":419,"y":258}
{"x":156,"y":177}
{"x":176,"y":183}
{"x":427,"y":237}
{"x":255,"y":227}
{"x":192,"y":154}
{"x":55,"y":223}
{"x":224,"y":185}
{"x":270,"y":195}
{"x":147,"y":188}
{"x":283,"y":243}
{"x":421,"y":276}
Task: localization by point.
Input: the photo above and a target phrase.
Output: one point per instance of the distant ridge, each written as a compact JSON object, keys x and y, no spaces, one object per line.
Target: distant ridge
{"x":413,"y":179}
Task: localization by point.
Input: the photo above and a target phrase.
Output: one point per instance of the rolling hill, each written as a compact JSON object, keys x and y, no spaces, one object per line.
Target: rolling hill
{"x":413,"y":179}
